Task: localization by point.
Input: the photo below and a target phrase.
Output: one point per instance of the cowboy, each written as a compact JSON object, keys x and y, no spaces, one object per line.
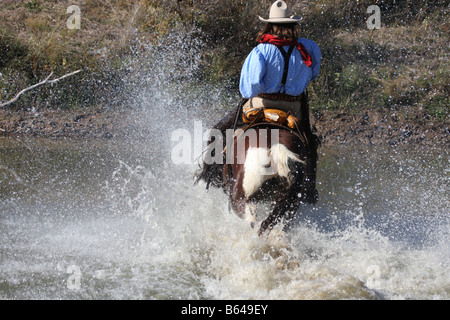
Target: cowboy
{"x":276,"y":74}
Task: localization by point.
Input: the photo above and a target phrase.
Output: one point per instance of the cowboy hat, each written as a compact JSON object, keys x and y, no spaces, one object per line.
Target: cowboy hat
{"x":279,"y":13}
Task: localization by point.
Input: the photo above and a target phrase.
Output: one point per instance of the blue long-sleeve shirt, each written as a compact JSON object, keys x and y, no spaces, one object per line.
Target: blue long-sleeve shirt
{"x":262,"y":71}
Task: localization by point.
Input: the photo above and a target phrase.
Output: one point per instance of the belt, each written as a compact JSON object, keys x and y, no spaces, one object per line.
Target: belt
{"x":280,"y":97}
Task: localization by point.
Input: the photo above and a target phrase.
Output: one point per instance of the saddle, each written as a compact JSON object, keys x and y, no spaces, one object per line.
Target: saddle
{"x":254,"y":115}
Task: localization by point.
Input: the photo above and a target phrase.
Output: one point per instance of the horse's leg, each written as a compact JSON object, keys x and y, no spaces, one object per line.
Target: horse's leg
{"x":237,"y":195}
{"x":250,"y":212}
{"x":241,"y":205}
{"x":288,"y":206}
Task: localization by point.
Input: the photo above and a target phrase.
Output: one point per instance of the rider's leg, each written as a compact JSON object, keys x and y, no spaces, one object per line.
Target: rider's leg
{"x":310,"y":191}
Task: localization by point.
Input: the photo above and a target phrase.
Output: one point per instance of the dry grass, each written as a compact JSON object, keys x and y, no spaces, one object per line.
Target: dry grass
{"x":402,"y":66}
{"x":34,"y":40}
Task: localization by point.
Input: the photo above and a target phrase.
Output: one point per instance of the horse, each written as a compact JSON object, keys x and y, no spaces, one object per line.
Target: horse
{"x":268,"y":163}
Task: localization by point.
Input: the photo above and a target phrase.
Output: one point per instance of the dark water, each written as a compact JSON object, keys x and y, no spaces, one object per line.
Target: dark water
{"x":119,"y":220}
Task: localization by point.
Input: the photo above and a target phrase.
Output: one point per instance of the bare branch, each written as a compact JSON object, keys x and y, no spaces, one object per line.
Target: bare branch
{"x":45,"y":81}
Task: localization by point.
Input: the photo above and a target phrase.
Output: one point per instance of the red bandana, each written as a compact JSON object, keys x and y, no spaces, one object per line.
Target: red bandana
{"x":283,"y":42}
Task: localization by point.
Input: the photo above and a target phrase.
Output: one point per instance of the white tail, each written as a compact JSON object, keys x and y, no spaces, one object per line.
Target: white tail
{"x":261,"y":164}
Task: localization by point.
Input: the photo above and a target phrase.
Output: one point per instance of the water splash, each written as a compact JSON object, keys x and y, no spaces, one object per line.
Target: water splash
{"x":136,"y":228}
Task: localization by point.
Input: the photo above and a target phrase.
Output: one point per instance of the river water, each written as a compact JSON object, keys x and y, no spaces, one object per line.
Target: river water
{"x":121,"y":219}
{"x":82,"y":219}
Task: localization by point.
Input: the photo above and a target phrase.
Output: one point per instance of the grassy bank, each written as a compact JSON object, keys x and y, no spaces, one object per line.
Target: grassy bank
{"x":401,"y":68}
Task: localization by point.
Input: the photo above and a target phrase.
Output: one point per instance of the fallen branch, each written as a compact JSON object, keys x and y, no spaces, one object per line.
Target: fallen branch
{"x":45,"y":81}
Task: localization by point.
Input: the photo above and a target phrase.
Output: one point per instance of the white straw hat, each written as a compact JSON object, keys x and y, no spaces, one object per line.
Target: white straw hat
{"x":279,"y":13}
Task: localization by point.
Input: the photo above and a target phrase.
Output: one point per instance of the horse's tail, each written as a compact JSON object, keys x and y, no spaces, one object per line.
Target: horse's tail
{"x":285,"y":160}
{"x":262,"y":164}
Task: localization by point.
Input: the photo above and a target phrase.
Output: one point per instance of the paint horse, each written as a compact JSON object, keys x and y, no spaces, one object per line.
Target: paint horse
{"x":267,"y":163}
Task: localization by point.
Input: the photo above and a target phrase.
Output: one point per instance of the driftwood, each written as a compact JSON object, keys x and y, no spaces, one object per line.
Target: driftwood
{"x":45,"y":81}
